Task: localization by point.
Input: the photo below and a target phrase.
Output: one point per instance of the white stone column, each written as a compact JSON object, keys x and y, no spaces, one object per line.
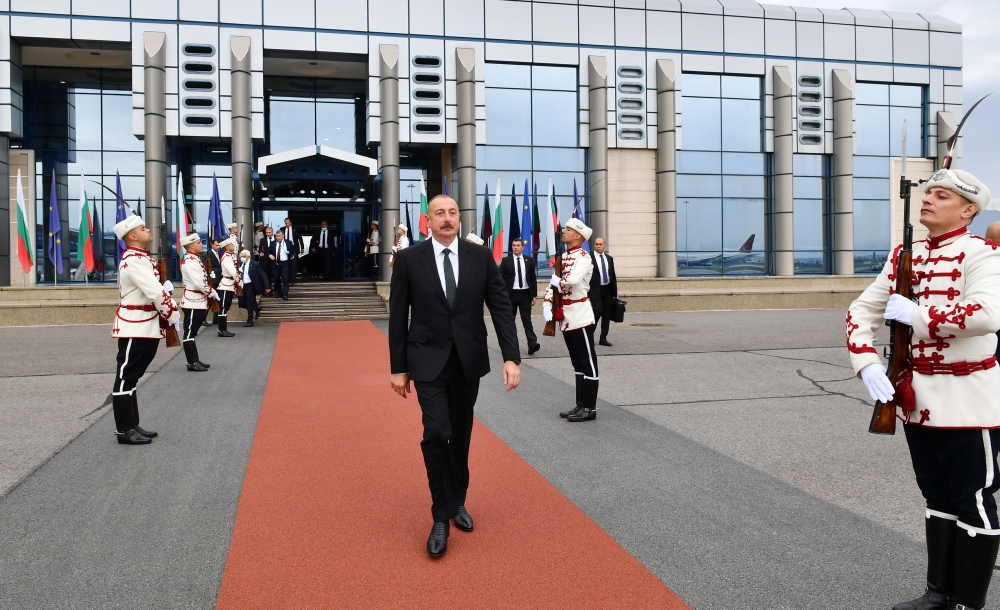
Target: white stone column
{"x":597,"y":176}
{"x":388,"y":72}
{"x":843,"y":173}
{"x":784,"y":195}
{"x":242,"y":137}
{"x":465,"y":194}
{"x":155,"y":135}
{"x":666,"y":169}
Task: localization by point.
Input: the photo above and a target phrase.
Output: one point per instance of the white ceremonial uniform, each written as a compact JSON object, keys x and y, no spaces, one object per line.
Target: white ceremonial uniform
{"x":146,"y":308}
{"x":373,"y":242}
{"x":956,"y":281}
{"x":196,"y":285}
{"x":577,"y":270}
{"x":230,"y":277}
{"x":402,"y":242}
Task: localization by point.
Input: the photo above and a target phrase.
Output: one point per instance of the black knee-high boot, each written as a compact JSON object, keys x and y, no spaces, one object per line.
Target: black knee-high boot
{"x":579,"y":397}
{"x":191,"y":353}
{"x":589,"y":410}
{"x":135,"y":416}
{"x":125,"y":422}
{"x":197,"y":358}
{"x":224,"y":327}
{"x":940,"y":534}
{"x":975,"y":557}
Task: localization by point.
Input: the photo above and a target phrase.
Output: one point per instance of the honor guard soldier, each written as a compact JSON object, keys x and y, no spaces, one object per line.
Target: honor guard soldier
{"x":371,"y":245}
{"x":949,"y":397}
{"x":473,"y":238}
{"x":146,"y":309}
{"x":227,"y":286}
{"x":233,"y":229}
{"x":197,"y":291}
{"x":575,"y":318}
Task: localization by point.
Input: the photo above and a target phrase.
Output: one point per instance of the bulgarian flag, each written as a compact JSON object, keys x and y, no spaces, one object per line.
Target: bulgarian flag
{"x":549,"y":223}
{"x":425,"y":232}
{"x":25,"y":254}
{"x":84,"y":241}
{"x":181,"y":226}
{"x":497,"y":226}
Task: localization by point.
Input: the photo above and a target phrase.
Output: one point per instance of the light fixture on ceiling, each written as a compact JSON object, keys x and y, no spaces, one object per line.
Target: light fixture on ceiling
{"x":313,"y":68}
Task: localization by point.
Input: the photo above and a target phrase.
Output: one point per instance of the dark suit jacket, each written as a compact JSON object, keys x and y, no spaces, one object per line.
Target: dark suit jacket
{"x":297,"y":237}
{"x":262,"y":247}
{"x":423,"y":329}
{"x":257,"y":277}
{"x":509,"y":274}
{"x":216,"y":267}
{"x":273,"y":251}
{"x":314,"y":244}
{"x":595,"y":282}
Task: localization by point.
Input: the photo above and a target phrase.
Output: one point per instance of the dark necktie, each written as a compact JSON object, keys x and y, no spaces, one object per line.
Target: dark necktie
{"x":323,"y":241}
{"x":604,"y":271}
{"x":520,"y":274}
{"x":449,"y":278}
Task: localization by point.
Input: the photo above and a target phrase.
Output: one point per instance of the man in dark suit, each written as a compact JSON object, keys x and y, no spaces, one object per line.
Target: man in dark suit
{"x":292,"y":235}
{"x":282,"y":254}
{"x":213,"y":255}
{"x":440,"y":286}
{"x":266,"y":263}
{"x":603,"y":288}
{"x":321,"y":247}
{"x":254,"y":283}
{"x":518,"y":272}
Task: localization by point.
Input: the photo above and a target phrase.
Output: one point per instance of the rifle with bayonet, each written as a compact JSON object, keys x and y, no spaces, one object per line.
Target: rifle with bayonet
{"x":213,"y":305}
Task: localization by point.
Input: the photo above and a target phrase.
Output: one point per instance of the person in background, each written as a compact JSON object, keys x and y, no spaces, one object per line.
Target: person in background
{"x":475,"y":239}
{"x":371,"y":246}
{"x":254,"y":283}
{"x":264,"y":247}
{"x":603,"y":288}
{"x":197,"y":291}
{"x":258,"y":232}
{"x":292,"y":234}
{"x":518,"y":273}
{"x":216,"y":276}
{"x":322,"y":250}
{"x":227,"y":287}
{"x":282,"y":254}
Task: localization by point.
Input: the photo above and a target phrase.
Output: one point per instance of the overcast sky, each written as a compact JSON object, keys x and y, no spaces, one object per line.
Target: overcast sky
{"x":981,"y":68}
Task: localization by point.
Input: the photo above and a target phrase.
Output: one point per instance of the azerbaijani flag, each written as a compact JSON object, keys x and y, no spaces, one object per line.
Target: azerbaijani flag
{"x":181,"y":227}
{"x":84,"y":243}
{"x":425,"y":231}
{"x":497,"y":226}
{"x":25,"y":254}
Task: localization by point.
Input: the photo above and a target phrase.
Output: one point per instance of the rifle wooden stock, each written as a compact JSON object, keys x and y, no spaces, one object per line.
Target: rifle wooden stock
{"x":550,"y":326}
{"x":171,"y":334}
{"x":213,"y":305}
{"x":884,"y":416}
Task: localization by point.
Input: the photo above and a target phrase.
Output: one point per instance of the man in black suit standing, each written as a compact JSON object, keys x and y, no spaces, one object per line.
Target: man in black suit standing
{"x":263,"y":256}
{"x":292,"y":235}
{"x":213,"y":255}
{"x":282,"y":254}
{"x":440,"y":286}
{"x":603,"y":288}
{"x":254,"y":283}
{"x":518,"y":272}
{"x":321,"y":247}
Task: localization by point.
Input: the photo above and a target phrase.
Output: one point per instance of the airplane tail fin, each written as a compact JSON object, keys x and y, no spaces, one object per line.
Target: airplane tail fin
{"x":748,"y":244}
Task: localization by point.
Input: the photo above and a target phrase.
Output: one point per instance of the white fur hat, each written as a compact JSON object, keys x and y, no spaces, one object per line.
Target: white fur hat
{"x":961,"y":183}
{"x":472,"y":237}
{"x":577,"y":225}
{"x":229,"y":241}
{"x":124,"y":227}
{"x":187,"y":240}
{"x":403,"y":227}
{"x":231,"y":225}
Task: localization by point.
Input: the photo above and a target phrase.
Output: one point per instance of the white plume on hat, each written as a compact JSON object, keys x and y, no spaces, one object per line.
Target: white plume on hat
{"x":961,"y":183}
{"x":577,"y":225}
{"x":187,"y":240}
{"x":472,"y":237}
{"x":131,"y":223}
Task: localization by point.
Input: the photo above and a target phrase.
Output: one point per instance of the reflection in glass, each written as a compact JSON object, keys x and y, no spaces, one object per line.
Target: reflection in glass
{"x":742,"y":218}
{"x":558,"y":159}
{"x":871,"y":225}
{"x":508,"y":117}
{"x":871,"y":188}
{"x":699,"y":224}
{"x":743,"y":163}
{"x":88,"y":122}
{"x":550,"y":77}
{"x":335,"y":124}
{"x":871,"y":93}
{"x":914,"y":142}
{"x":554,"y":118}
{"x":117,"y":123}
{"x":741,"y":87}
{"x":699,"y":186}
{"x":690,"y":162}
{"x":700,"y":85}
{"x":872,"y":124}
{"x":741,"y":125}
{"x":505,"y":157}
{"x":871,"y":167}
{"x":808,"y":187}
{"x":807,"y":165}
{"x":512,"y":76}
{"x":906,"y":95}
{"x":293,"y":124}
{"x":743,"y":186}
{"x":702,"y":128}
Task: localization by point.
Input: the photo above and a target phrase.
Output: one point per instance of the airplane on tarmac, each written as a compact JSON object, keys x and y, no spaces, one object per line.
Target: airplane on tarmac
{"x":741,"y":255}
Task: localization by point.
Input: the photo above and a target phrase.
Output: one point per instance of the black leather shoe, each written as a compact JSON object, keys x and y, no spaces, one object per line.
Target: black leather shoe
{"x":437,"y":542}
{"x":132,"y":437}
{"x":226,"y":333}
{"x":927,"y":601}
{"x":146,"y":433}
{"x":579,"y":397}
{"x":463,"y":520}
{"x":207,"y":366}
{"x":197,"y":367}
{"x":248,"y":323}
{"x":285,"y":298}
{"x":256,"y":315}
{"x":206,"y":323}
{"x":534,"y":348}
{"x":572,"y":411}
{"x":583,"y":414}
{"x":604,"y":342}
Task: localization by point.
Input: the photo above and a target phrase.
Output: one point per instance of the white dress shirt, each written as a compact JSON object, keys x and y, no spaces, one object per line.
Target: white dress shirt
{"x":282,"y":251}
{"x":288,"y":233}
{"x":246,"y":273}
{"x":602,"y":265}
{"x":520,"y":279}
{"x":439,"y":259}
{"x":322,"y":238}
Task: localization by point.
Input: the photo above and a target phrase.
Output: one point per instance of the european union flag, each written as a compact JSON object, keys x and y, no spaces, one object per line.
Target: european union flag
{"x":526,"y":226}
{"x":55,"y":228}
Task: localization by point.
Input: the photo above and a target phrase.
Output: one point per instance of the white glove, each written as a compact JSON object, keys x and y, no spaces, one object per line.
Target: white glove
{"x":213,"y":274}
{"x":554,"y":282}
{"x":877,"y":383}
{"x":168,"y":286}
{"x":900,"y":309}
{"x":177,"y":326}
{"x":214,"y":295}
{"x":547,"y":312}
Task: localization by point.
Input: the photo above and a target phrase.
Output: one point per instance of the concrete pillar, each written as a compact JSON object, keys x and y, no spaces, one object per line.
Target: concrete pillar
{"x":946,"y":126}
{"x":388,"y":73}
{"x":843,"y":173}
{"x":155,"y":109}
{"x":597,"y":176}
{"x":242,"y":137}
{"x":784,"y":204}
{"x":666,"y":170}
{"x":465,"y":75}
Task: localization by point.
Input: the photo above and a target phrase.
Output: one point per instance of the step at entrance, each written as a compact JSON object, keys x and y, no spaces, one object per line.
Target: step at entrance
{"x":325,"y":301}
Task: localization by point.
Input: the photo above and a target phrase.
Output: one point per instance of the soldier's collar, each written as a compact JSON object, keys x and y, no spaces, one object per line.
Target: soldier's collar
{"x":576,"y":247}
{"x":937,"y":242}
{"x":139,"y":250}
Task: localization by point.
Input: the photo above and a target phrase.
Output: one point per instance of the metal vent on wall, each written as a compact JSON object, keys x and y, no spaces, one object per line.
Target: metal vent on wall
{"x":630,"y":119}
{"x":810,"y":81}
{"x":199,"y":85}
{"x":424,"y":78}
{"x":810,"y":110}
{"x":631,"y":88}
{"x":199,"y":102}
{"x":205,"y":82}
{"x":421,"y":111}
{"x":426,"y":61}
{"x":427,"y":127}
{"x":198,"y":67}
{"x":812,"y":97}
{"x":631,"y":133}
{"x":810,"y":125}
{"x":427,"y":97}
{"x":810,"y":139}
{"x":631,"y":72}
{"x":199,"y":120}
{"x":205,"y":50}
{"x":631,"y":103}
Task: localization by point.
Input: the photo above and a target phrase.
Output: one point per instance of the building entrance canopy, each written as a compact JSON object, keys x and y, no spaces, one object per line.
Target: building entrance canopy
{"x":317,"y":172}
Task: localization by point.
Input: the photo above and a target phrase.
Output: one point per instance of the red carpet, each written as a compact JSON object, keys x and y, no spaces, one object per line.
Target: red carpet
{"x":335,"y":509}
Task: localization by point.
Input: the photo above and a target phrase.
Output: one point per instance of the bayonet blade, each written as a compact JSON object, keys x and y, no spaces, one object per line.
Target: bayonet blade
{"x":902,"y":153}
{"x":953,"y":140}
